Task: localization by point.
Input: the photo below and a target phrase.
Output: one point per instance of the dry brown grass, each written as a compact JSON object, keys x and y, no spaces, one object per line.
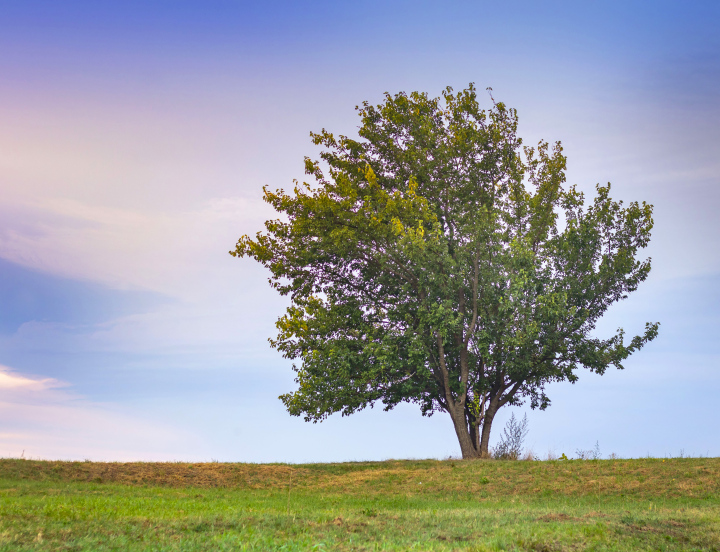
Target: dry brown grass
{"x":690,"y":477}
{"x":166,"y":474}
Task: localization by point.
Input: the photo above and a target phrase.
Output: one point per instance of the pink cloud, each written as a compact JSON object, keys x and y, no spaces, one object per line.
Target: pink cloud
{"x":42,"y":418}
{"x":13,"y":382}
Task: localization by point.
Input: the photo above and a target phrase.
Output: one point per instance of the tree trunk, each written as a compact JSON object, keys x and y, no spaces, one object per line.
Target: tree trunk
{"x":467,"y":447}
{"x":484,"y":451}
{"x":468,"y":431}
{"x":474,"y":426}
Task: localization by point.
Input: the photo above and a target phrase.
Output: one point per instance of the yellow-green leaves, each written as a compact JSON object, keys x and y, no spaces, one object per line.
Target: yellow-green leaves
{"x":425,"y":263}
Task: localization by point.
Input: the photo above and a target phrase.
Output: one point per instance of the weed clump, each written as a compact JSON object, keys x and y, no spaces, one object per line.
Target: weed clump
{"x":589,"y":454}
{"x":511,"y":442}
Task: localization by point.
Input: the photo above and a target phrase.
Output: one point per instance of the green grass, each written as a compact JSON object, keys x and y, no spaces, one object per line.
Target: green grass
{"x":647,"y":504}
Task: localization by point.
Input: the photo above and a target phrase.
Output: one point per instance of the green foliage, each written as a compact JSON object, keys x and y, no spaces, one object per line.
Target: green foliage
{"x":437,"y":261}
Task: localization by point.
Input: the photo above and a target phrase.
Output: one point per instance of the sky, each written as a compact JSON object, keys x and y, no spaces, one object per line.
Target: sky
{"x":135,"y":138}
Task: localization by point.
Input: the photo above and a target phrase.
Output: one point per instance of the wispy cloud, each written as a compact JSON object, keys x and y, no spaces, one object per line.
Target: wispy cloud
{"x":170,"y":252}
{"x":14,"y":382}
{"x":43,"y":418}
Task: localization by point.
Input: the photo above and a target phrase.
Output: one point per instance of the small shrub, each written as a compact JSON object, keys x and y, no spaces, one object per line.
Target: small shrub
{"x":589,"y":454}
{"x":511,"y":441}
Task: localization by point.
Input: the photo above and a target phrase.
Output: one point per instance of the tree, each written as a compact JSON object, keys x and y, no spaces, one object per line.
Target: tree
{"x":437,"y":261}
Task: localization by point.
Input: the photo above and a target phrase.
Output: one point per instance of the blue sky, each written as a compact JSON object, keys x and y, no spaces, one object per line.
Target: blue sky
{"x":135,"y":138}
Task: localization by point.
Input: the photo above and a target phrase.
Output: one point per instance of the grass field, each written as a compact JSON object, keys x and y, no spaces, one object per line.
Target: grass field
{"x":646,"y":504}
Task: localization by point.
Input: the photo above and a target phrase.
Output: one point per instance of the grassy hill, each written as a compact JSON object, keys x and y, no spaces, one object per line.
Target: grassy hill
{"x":646,"y":504}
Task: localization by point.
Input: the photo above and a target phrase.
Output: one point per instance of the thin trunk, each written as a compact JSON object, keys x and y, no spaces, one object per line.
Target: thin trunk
{"x":474,"y":424}
{"x":484,"y":451}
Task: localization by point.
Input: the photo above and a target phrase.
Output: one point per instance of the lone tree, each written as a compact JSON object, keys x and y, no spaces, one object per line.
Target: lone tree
{"x":437,"y":261}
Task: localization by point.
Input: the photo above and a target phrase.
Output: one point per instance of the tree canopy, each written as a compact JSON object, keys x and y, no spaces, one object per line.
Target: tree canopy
{"x":438,"y":261}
